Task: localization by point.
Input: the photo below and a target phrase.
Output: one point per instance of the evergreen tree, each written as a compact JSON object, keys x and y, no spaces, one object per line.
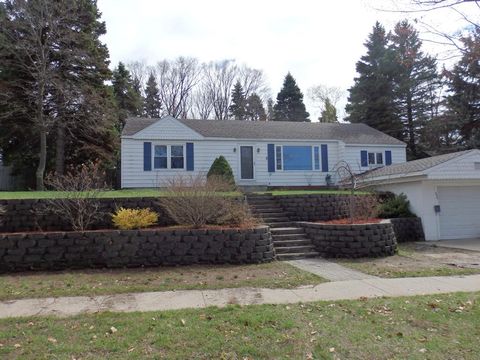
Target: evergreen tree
{"x":254,"y":110}
{"x":270,"y":110}
{"x":237,"y":108}
{"x":152,"y":98}
{"x":290,"y":106}
{"x":416,"y":82}
{"x":463,"y":101}
{"x":329,"y":113}
{"x":128,"y":101}
{"x":371,"y":99}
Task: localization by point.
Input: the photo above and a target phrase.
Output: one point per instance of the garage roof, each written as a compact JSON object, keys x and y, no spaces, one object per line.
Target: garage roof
{"x":415,"y":167}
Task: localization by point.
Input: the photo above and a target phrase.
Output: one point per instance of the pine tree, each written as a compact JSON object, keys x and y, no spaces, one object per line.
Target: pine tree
{"x":129,"y":103}
{"x":416,"y":82}
{"x":463,"y":101}
{"x":237,"y":108}
{"x":152,"y":98}
{"x":371,"y":99}
{"x":329,"y":113}
{"x":290,"y":106}
{"x":254,"y":109}
{"x":270,"y":110}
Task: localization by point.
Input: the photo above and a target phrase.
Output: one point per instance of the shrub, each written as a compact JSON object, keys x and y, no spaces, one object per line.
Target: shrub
{"x":396,"y":207}
{"x":237,"y":214}
{"x":2,"y":213}
{"x":366,"y":207}
{"x":196,"y":202}
{"x":79,"y":190}
{"x":221,"y":170}
{"x":128,"y":219}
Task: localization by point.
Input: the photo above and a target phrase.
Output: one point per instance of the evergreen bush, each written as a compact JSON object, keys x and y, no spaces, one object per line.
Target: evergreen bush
{"x":396,"y":207}
{"x":222,"y":171}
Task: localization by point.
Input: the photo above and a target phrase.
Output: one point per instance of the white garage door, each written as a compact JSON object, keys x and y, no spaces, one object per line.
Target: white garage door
{"x":459,"y":212}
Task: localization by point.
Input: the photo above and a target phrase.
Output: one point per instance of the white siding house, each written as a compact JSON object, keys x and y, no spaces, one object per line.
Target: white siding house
{"x":443,"y":190}
{"x":260,"y":153}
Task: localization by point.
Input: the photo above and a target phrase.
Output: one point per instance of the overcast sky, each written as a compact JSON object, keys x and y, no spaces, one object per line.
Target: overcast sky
{"x":319,"y":42}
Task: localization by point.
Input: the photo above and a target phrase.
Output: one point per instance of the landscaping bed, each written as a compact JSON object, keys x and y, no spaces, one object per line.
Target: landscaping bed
{"x":422,"y":327}
{"x":134,"y":248}
{"x":115,"y":281}
{"x":413,"y":260}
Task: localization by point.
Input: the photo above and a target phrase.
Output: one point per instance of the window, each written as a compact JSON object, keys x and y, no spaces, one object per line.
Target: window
{"x":379,"y":158}
{"x":176,"y":157}
{"x":278,"y":157}
{"x":160,"y":157}
{"x":375,"y":158}
{"x":316,"y":157}
{"x":297,"y":158}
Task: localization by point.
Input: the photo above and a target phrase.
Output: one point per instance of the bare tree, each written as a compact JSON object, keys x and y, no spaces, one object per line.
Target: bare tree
{"x":219,"y":78}
{"x":253,"y":82}
{"x":321,"y":94}
{"x":176,"y":80}
{"x":139,"y":72}
{"x":201,"y":102}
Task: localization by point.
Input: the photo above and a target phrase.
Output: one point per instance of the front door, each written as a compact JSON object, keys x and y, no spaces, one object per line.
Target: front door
{"x":246,"y":163}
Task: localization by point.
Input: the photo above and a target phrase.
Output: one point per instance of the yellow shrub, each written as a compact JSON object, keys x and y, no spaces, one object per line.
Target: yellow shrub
{"x":127,"y":219}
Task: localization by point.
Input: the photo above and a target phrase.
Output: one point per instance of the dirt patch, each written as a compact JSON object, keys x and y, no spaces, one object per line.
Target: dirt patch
{"x":356,"y":221}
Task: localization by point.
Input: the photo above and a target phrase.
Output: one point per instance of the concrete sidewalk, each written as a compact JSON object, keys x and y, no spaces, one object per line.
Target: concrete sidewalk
{"x":329,"y":270}
{"x":171,"y":300}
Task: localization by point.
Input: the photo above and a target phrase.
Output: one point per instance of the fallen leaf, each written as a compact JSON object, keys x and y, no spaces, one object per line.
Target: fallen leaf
{"x":183,"y":322}
{"x":423,"y":350}
{"x":332,"y":349}
{"x":113,"y":330}
{"x":52,"y":340}
{"x":131,"y":349}
{"x":16,"y":346}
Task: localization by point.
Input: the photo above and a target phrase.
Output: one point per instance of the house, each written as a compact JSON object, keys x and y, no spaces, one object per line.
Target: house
{"x":260,"y":153}
{"x":443,"y":190}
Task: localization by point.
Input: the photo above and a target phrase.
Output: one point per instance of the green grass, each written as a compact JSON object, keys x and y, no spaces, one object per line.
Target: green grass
{"x":115,"y":281}
{"x":406,"y":263}
{"x":12,"y":195}
{"x":423,"y":327}
{"x":311,"y":192}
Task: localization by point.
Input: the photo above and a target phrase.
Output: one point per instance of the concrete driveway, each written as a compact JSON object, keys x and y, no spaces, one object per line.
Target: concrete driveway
{"x":463,"y":244}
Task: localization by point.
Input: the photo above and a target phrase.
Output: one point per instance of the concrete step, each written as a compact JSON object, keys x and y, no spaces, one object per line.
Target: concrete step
{"x":286,"y":230}
{"x":297,"y":236}
{"x":287,"y":243}
{"x":277,"y":219}
{"x":267,"y":210}
{"x":295,"y":256}
{"x":272,"y":214}
{"x":280,"y":224}
{"x":294,"y":249}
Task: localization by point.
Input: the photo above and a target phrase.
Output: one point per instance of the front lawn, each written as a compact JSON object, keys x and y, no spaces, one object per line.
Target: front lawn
{"x":414,"y":259}
{"x":422,"y":327}
{"x":115,"y":281}
{"x":124,"y":193}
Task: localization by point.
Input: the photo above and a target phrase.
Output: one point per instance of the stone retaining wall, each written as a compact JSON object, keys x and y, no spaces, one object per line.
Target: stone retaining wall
{"x":352,"y":241}
{"x":133,"y":248}
{"x":408,"y":229}
{"x":314,"y":207}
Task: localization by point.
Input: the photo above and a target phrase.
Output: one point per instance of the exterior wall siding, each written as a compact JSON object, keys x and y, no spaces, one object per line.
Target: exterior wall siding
{"x":352,"y":155}
{"x":463,"y":168}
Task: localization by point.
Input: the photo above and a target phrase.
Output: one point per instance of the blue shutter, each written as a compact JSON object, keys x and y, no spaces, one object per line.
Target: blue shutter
{"x":364,"y":158}
{"x":271,"y":157}
{"x":388,"y":157}
{"x":147,"y":156}
{"x":190,"y":157}
{"x":324,"y":157}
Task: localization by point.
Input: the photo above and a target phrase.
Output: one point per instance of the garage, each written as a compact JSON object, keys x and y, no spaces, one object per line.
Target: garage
{"x":443,"y":190}
{"x":459,"y":216}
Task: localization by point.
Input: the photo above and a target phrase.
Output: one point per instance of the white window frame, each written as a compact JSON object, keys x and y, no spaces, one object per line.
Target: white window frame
{"x":169,"y":156}
{"x":375,"y":158}
{"x":312,"y":146}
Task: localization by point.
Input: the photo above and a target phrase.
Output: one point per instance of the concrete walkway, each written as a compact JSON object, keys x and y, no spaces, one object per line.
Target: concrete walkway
{"x":329,"y":270}
{"x":462,"y":244}
{"x":171,"y":300}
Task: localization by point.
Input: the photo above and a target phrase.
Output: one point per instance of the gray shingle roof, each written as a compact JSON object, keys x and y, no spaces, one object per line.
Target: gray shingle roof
{"x":411,"y":167}
{"x":235,"y":129}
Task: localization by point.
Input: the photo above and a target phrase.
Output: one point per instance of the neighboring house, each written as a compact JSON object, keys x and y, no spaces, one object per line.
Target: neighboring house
{"x":260,"y":153}
{"x":443,"y":190}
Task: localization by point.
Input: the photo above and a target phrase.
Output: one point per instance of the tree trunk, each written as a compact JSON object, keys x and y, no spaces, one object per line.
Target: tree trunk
{"x":411,"y":126}
{"x":60,"y":150}
{"x":42,"y":159}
